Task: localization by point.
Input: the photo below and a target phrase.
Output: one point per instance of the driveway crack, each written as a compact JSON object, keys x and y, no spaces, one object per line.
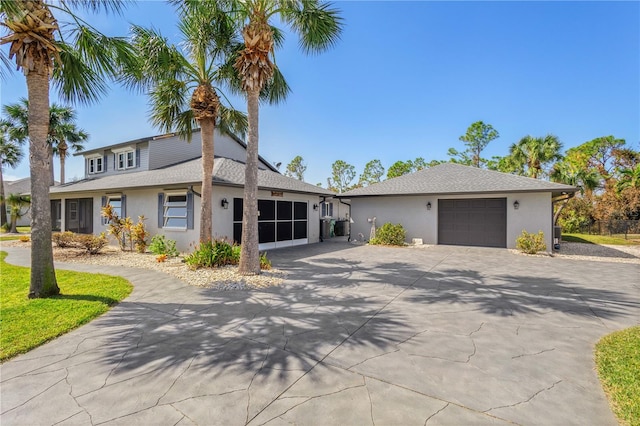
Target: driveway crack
{"x":525,"y":401}
{"x":436,"y":413}
{"x":537,"y":353}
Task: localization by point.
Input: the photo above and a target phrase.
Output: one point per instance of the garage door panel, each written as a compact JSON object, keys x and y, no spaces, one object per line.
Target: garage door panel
{"x":473,"y":222}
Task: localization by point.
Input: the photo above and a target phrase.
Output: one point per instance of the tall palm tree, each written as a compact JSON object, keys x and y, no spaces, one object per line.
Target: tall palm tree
{"x":181,"y":84}
{"x":319,"y":26}
{"x":10,"y":155}
{"x":62,"y":130}
{"x":78,"y":60}
{"x":530,"y":155}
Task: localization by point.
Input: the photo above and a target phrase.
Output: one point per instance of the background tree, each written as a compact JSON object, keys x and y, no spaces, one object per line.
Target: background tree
{"x":477,"y":138}
{"x":18,"y":207}
{"x":319,"y":27}
{"x":62,"y":129}
{"x":342,"y":174}
{"x":78,"y":63}
{"x":586,"y":181}
{"x":531,"y":156}
{"x":400,"y":168}
{"x":598,"y":155}
{"x":373,"y":172}
{"x":296,"y":168}
{"x":10,"y":155}
{"x":181,"y":80}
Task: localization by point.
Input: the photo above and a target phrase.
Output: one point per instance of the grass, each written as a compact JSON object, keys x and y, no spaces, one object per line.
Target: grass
{"x":598,"y":239}
{"x":618,"y":363}
{"x":28,"y":323}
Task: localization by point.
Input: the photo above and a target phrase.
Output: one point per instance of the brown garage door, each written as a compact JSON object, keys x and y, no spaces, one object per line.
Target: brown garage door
{"x":473,"y":222}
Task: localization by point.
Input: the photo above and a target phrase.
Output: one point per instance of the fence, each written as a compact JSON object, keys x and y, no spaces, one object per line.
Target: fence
{"x":612,"y":227}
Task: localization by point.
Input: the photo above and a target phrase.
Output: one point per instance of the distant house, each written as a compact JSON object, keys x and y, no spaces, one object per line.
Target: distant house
{"x":160,"y":178}
{"x":458,"y":205}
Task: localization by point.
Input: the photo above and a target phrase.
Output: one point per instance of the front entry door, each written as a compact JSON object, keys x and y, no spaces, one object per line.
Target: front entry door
{"x":79,"y":215}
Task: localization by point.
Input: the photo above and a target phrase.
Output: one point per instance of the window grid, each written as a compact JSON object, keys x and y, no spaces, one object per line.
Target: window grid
{"x":175,"y":211}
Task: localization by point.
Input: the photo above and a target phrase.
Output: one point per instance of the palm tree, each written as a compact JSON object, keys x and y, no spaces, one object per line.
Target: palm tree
{"x":629,"y":178}
{"x":62,"y":129}
{"x":530,"y":155}
{"x":10,"y":155}
{"x":16,"y":203}
{"x":569,"y":174}
{"x":318,"y":26}
{"x":78,"y":60}
{"x":181,"y":84}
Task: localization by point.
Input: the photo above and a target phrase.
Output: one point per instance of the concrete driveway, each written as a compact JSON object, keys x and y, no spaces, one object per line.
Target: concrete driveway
{"x":357,"y":335}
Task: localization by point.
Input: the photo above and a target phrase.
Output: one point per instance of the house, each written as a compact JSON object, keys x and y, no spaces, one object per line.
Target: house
{"x":160,"y":178}
{"x":458,"y":205}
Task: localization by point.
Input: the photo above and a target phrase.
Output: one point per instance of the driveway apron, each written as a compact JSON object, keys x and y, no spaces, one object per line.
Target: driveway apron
{"x":356,"y":335}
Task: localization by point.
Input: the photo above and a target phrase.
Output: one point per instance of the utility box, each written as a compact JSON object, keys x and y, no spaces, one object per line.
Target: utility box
{"x":557,"y":237}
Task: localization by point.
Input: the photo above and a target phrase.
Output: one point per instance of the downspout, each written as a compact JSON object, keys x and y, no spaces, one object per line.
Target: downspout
{"x":347,"y":204}
{"x":320,"y":221}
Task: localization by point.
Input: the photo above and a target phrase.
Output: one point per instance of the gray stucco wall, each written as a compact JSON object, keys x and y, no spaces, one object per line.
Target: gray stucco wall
{"x":145,"y":202}
{"x":533,"y":215}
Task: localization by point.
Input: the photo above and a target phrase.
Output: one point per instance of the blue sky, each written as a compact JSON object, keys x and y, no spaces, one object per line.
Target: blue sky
{"x":408,"y":78}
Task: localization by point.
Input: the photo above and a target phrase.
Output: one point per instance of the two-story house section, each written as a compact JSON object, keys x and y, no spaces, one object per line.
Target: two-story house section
{"x":160,"y":178}
{"x":158,"y":151}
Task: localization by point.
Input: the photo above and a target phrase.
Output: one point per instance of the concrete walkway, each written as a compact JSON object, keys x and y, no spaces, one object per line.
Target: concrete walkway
{"x":357,"y":335}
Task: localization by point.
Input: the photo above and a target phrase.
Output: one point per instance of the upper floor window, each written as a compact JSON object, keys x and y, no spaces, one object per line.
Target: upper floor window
{"x":125,"y":158}
{"x":95,"y":164}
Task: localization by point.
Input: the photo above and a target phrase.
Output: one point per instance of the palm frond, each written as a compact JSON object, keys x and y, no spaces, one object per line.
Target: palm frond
{"x":232,"y":121}
{"x":276,"y":89}
{"x":318,"y":24}
{"x":75,"y":80}
{"x":167,"y":102}
{"x":97,"y":6}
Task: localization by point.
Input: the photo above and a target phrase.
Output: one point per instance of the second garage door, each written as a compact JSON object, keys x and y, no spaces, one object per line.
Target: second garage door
{"x":473,"y":222}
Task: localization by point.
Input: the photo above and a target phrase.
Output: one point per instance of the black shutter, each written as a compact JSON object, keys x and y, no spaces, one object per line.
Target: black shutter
{"x":190,"y":210}
{"x":104,"y":163}
{"x":137,"y":157}
{"x":160,"y":210}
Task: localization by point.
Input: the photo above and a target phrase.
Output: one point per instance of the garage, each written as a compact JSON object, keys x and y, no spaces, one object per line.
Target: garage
{"x":473,"y":222}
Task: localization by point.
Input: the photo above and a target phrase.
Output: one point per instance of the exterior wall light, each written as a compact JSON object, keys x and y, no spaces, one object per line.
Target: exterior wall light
{"x":516,"y":205}
{"x":224,"y":203}
{"x":315,"y":207}
{"x":428,"y":205}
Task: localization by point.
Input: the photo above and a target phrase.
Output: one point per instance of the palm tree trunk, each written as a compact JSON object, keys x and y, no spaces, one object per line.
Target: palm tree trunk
{"x":63,"y":155}
{"x":3,"y":206}
{"x":52,"y":178}
{"x":206,"y":211}
{"x":249,"y":253}
{"x":43,"y":277}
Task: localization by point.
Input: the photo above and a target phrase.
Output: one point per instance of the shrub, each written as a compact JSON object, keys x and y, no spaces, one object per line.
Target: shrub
{"x":211,"y":254}
{"x":64,"y":239}
{"x":161,"y":245}
{"x":389,"y":234}
{"x":531,"y":243}
{"x":24,"y":238}
{"x":264,"y":262}
{"x":138,"y":235}
{"x":91,"y":243}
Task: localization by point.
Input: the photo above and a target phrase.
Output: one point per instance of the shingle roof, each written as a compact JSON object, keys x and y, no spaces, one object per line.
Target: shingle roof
{"x":225,"y":172}
{"x":450,"y":178}
{"x":20,"y":186}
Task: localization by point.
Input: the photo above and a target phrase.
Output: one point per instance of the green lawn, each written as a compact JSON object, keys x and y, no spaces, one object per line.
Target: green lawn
{"x":618,"y":363}
{"x":25,"y":323}
{"x":598,"y":239}
{"x":10,"y":237}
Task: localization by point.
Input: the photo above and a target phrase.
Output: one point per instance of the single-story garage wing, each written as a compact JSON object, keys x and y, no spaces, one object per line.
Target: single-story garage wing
{"x":459,"y":205}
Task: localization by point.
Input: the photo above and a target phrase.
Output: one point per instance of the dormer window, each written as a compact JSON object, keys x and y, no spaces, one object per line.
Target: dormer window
{"x":95,"y":164}
{"x":125,"y":158}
